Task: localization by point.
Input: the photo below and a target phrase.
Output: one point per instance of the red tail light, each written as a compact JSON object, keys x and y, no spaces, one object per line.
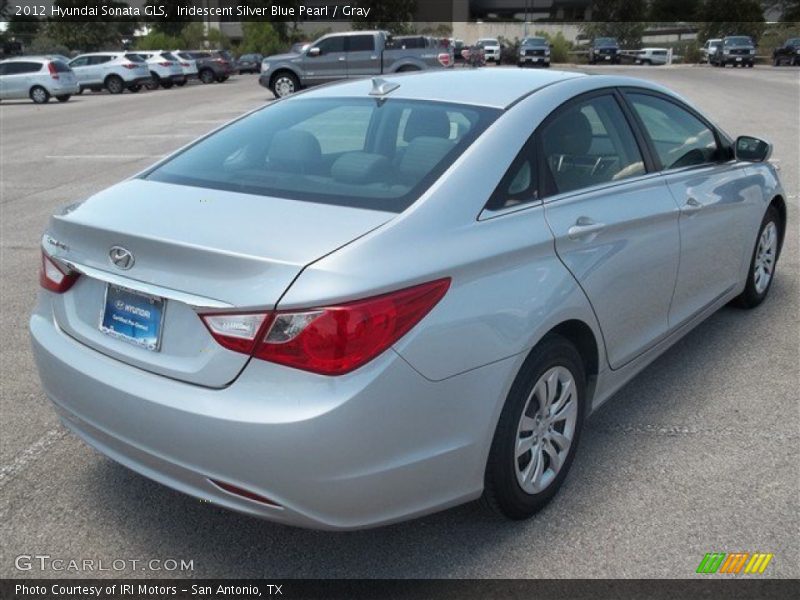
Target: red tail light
{"x":53,"y":72}
{"x":130,"y":65}
{"x":165,"y":63}
{"x":330,"y":340}
{"x":444,"y":59}
{"x":55,"y":277}
{"x":184,"y":64}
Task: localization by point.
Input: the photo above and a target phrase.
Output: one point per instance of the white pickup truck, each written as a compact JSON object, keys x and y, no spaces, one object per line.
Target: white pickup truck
{"x":347,"y":56}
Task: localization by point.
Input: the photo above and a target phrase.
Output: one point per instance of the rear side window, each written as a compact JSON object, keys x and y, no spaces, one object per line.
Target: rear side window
{"x":350,"y":152}
{"x":680,"y":139}
{"x":361,"y":43}
{"x":588,"y":143}
{"x":21,"y":68}
{"x":99,"y":60}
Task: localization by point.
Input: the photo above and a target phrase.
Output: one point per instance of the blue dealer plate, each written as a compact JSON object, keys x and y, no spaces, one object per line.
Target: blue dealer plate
{"x":133,"y":317}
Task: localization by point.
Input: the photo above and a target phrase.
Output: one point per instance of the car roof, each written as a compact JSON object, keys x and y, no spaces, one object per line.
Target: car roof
{"x":31,"y":58}
{"x":107,"y":52}
{"x":496,"y":88}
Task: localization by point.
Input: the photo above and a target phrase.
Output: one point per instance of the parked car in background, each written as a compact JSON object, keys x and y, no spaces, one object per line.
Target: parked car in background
{"x":369,"y":321}
{"x":346,"y":55}
{"x":534,"y":51}
{"x":651,"y":56}
{"x":787,"y":54}
{"x":458,"y":47}
{"x":188,"y":65}
{"x":211,"y":65}
{"x":604,"y":50}
{"x":492,"y":51}
{"x":114,"y":71}
{"x":249,"y":63}
{"x":165,"y":69}
{"x":736,"y":50}
{"x":37,"y":78}
{"x":709,"y":48}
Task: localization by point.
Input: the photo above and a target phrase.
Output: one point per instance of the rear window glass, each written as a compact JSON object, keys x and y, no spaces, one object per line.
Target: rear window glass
{"x":61,"y":67}
{"x":134,"y":58}
{"x":169,"y":56}
{"x":360,"y":152}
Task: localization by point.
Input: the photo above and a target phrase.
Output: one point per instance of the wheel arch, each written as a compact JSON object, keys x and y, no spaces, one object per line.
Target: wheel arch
{"x":582,"y":336}
{"x":780,"y":206}
{"x":282,"y":70}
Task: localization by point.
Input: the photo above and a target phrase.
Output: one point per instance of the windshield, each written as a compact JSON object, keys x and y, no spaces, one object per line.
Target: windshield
{"x":738,"y":41}
{"x":361,"y":152}
{"x":606,"y":41}
{"x":534,"y":42}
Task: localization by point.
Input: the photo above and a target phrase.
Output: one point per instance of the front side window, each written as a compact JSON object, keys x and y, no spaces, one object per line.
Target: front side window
{"x":589,"y":143}
{"x":81,"y":61}
{"x":680,"y":139}
{"x":362,"y":152}
{"x":331,"y":44}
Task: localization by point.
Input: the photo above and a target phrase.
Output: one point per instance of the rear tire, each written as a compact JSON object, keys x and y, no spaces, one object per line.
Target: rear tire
{"x":64,"y":97}
{"x":166,"y":84}
{"x":114,"y":84}
{"x":763,"y":262}
{"x":135,"y":88}
{"x":181,"y":83}
{"x":538,"y":431}
{"x":154,"y":82}
{"x":207,"y":76}
{"x":222,"y":79}
{"x":39,"y":95}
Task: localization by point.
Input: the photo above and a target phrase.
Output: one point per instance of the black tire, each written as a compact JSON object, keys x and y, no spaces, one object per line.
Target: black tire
{"x":166,"y":84}
{"x":80,"y":90}
{"x":751,"y":297}
{"x":222,"y":79}
{"x":114,"y":84}
{"x":64,"y":97}
{"x":39,"y":95}
{"x":502,"y":492}
{"x":180,"y":83}
{"x":546,"y":65}
{"x":776,"y":62}
{"x":154,"y":81}
{"x":135,"y":88}
{"x":284,"y":83}
{"x":749,"y":65}
{"x":207,"y":76}
{"x":407,"y":69}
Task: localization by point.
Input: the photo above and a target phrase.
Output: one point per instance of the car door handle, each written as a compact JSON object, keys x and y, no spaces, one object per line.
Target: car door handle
{"x":692,"y":206}
{"x":584,"y":227}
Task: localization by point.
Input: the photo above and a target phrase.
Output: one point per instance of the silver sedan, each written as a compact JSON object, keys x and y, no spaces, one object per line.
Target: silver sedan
{"x":335,"y":312}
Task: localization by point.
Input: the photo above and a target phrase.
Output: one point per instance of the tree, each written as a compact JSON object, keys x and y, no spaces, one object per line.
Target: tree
{"x":395,"y":16}
{"x":669,"y":11}
{"x":169,"y":25}
{"x":23,"y":29}
{"x":620,"y":19}
{"x":745,"y":17}
{"x":90,"y":33}
{"x":259,"y":37}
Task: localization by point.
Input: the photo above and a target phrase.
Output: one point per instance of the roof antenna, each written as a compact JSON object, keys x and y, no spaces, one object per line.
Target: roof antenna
{"x":381,"y":87}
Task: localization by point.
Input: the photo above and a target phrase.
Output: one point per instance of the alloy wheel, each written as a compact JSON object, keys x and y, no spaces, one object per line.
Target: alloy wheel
{"x":546,"y":429}
{"x":284,"y":86}
{"x":765,"y":257}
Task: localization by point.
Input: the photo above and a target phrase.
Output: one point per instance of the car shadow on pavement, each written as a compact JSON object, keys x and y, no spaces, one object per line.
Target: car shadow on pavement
{"x":464,"y":541}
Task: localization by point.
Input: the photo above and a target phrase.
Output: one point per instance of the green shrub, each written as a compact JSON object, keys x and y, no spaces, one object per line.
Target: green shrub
{"x":560,"y":46}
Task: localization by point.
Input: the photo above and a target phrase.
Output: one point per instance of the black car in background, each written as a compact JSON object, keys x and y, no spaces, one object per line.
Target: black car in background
{"x":787,"y":54}
{"x":249,"y":63}
{"x":534,"y":51}
{"x":604,"y":50}
{"x":212,"y":65}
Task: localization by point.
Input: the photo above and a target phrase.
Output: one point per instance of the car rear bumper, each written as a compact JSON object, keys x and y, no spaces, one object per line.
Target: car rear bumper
{"x":536,"y":60}
{"x":178,"y":78}
{"x":378,"y":445}
{"x":64,"y":88}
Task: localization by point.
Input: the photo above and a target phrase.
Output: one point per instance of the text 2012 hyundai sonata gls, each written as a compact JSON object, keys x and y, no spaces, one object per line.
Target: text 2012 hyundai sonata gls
{"x":334,"y":312}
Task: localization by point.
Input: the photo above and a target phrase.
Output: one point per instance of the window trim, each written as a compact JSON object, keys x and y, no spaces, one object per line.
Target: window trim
{"x":547,"y":188}
{"x":723,"y":143}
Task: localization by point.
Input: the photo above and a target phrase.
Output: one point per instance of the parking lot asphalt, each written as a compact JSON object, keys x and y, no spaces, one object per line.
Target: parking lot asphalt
{"x":699,"y":453}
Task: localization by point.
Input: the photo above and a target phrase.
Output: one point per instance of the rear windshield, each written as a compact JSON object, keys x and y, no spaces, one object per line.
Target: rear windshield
{"x":61,"y":67}
{"x":169,"y":56}
{"x":360,"y":152}
{"x":134,"y":58}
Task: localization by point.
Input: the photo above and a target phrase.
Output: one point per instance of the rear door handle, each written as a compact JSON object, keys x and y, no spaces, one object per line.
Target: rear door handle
{"x":584,"y":227}
{"x":692,"y":206}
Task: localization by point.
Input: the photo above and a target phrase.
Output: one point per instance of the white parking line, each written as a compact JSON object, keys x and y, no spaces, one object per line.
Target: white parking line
{"x":30,"y":454}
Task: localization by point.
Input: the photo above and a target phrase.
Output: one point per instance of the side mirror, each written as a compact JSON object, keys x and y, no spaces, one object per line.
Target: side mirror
{"x":752,"y":149}
{"x":315,"y":51}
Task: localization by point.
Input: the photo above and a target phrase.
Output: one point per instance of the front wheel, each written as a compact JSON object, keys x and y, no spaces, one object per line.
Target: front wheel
{"x":763,"y":261}
{"x":207,"y":76}
{"x":115,"y":85}
{"x":538,"y":431}
{"x":39,"y":95}
{"x":284,"y":84}
{"x":64,"y":97}
{"x":153,"y":82}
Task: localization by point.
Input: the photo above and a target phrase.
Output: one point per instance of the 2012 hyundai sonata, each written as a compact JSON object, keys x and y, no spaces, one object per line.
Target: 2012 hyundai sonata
{"x":335,"y":312}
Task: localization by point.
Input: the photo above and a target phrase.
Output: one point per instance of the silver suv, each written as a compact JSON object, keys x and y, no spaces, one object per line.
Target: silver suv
{"x":37,"y":78}
{"x":114,"y":71}
{"x":165,"y":69}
